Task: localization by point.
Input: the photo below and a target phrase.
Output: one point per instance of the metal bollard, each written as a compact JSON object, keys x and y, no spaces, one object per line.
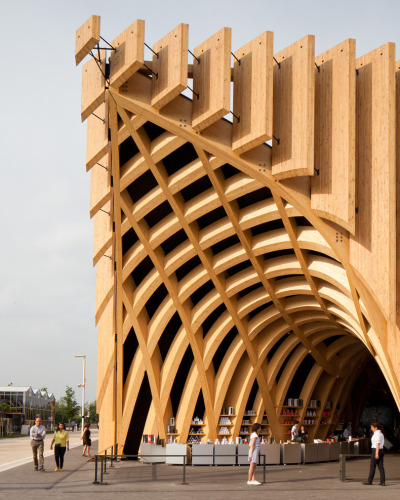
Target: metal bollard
{"x":263,"y":468}
{"x":112,"y":454}
{"x":342,"y":462}
{"x":101,"y":470}
{"x":184,"y":470}
{"x":116,"y":452}
{"x":95,"y":470}
{"x":105,"y":462}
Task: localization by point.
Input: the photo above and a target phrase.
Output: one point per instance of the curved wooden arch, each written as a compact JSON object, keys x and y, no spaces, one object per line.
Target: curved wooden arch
{"x":259,"y":251}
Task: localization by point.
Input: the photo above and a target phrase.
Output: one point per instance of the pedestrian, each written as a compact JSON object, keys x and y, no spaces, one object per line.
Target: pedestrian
{"x":61,"y":445}
{"x":377,"y":442}
{"x":37,"y":435}
{"x":254,"y":453}
{"x":303,"y":434}
{"x":294,"y":433}
{"x":347,"y":432}
{"x":87,"y":443}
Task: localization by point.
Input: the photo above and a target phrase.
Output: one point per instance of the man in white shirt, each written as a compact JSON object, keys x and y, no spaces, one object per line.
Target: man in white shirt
{"x":37,"y":435}
{"x":377,"y":443}
{"x":294,"y":433}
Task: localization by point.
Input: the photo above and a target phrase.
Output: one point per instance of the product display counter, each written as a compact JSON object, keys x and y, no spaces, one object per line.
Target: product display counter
{"x":179,"y":450}
{"x":151,"y":453}
{"x":272,"y":453}
{"x":323,"y":452}
{"x":309,"y":453}
{"x":334,"y":451}
{"x":203,"y":454}
{"x":232,"y":454}
{"x":291,"y":453}
{"x":225,"y":449}
{"x":243,"y":454}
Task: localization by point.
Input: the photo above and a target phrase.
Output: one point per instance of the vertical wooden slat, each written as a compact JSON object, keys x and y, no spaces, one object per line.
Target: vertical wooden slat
{"x":100,"y":185}
{"x":87,"y":37}
{"x":171,"y":66}
{"x":93,"y":85}
{"x":96,"y":136}
{"x":294,"y":92}
{"x":395,"y":346}
{"x":333,"y":185}
{"x":129,"y":56}
{"x":102,"y":233}
{"x":372,"y":248}
{"x":212,"y":79}
{"x":252,"y":93}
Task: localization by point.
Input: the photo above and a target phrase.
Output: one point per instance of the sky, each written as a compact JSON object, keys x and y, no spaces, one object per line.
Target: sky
{"x":47,"y":281}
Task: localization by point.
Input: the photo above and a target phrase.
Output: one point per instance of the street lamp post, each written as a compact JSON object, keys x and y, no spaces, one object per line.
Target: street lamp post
{"x":83,"y":388}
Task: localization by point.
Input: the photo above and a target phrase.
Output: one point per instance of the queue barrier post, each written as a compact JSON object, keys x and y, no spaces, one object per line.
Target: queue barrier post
{"x":102,"y":470}
{"x":95,"y":470}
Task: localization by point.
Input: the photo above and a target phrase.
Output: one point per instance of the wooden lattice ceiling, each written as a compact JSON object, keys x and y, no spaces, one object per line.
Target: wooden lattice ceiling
{"x":227,"y":267}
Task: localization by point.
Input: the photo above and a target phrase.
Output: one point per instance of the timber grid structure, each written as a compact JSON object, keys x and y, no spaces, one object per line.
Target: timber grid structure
{"x":246,"y":248}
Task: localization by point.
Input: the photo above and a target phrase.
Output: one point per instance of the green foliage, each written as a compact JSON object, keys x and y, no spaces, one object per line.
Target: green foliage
{"x":92,"y":412}
{"x":44,"y":389}
{"x":67,"y":408}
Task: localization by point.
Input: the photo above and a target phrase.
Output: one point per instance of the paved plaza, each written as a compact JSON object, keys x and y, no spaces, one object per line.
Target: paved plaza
{"x":130,"y":479}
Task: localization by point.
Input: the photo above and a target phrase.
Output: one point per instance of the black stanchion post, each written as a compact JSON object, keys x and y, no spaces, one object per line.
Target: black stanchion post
{"x":184,"y":469}
{"x":263,"y":468}
{"x":116,"y":451}
{"x":342,"y":461}
{"x":105,"y":462}
{"x":102,"y":470}
{"x":95,"y":470}
{"x":112,"y":454}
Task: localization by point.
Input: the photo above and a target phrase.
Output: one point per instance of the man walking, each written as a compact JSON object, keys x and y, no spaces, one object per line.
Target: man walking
{"x":37,"y":434}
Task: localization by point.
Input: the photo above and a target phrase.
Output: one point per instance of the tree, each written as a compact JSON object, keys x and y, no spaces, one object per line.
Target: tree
{"x":92,"y":413}
{"x":43,"y":389}
{"x":67,"y":408}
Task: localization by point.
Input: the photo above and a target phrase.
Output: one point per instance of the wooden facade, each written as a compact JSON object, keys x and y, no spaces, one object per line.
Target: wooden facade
{"x":234,"y":272}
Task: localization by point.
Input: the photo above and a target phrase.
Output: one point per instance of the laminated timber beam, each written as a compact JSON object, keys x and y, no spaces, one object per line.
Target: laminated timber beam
{"x":228,"y":262}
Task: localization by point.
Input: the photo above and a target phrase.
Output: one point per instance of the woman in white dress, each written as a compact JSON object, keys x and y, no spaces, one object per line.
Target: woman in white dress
{"x":254,"y":452}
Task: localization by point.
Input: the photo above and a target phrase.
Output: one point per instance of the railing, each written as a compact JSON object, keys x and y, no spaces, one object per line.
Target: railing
{"x":103,"y":463}
{"x":342,"y":463}
{"x":111,"y":457}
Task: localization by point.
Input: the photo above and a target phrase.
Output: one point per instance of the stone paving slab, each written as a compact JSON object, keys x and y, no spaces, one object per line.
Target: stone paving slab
{"x":17,"y":451}
{"x":130,"y":479}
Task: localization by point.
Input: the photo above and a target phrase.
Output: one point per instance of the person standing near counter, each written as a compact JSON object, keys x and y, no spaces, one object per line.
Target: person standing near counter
{"x":377,"y":442}
{"x":37,"y":435}
{"x":254,"y":453}
{"x":294,"y":433}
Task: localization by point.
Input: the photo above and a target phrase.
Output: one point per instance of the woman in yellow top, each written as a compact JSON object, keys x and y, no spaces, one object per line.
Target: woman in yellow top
{"x":61,"y":444}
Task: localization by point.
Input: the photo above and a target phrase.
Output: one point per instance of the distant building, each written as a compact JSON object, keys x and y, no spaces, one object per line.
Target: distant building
{"x":20,"y":405}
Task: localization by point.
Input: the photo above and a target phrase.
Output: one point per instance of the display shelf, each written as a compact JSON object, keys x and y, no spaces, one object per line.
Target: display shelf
{"x":230,"y":434}
{"x":198,"y":425}
{"x":225,"y":425}
{"x":196,"y":434}
{"x":172,"y":434}
{"x":224,"y":415}
{"x":285,"y":406}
